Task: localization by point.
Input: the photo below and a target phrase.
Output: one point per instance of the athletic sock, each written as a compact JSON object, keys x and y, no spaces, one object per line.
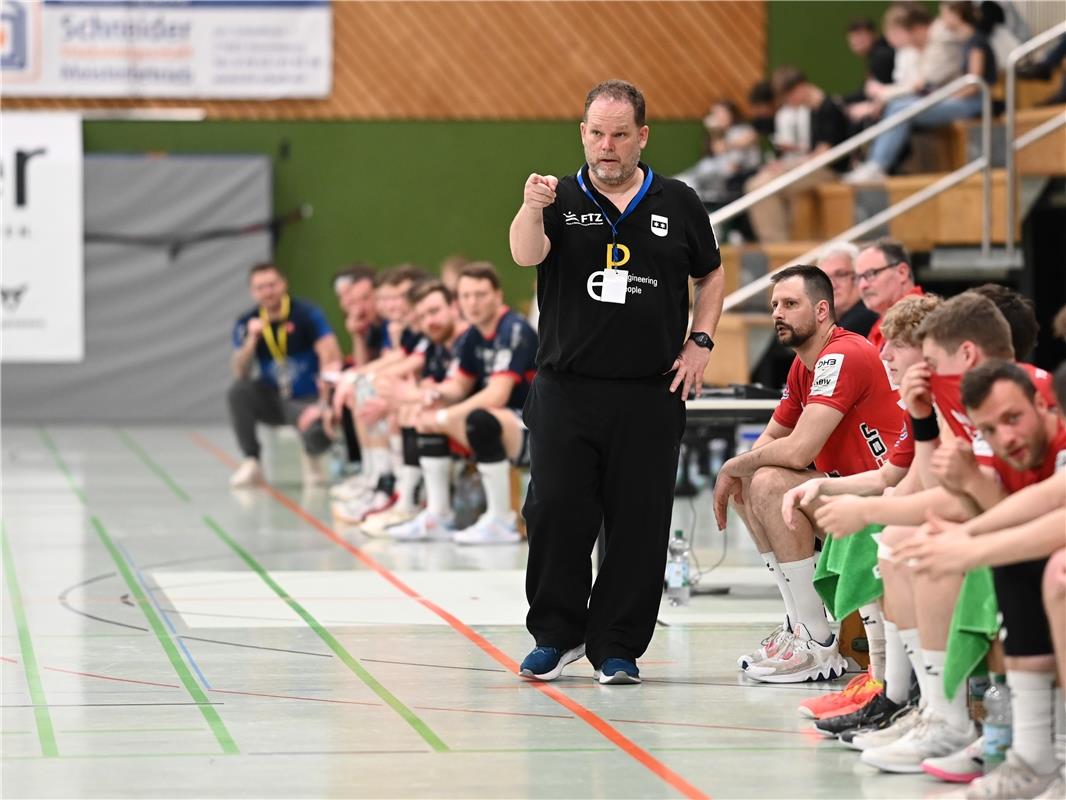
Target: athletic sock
{"x":1032,"y":697}
{"x":406,"y":488}
{"x":438,"y":473}
{"x":874,"y":624}
{"x":496,"y":480}
{"x":809,"y":608}
{"x":912,"y":646}
{"x":770,"y":560}
{"x":897,"y":666}
{"x":395,"y":453}
{"x":377,"y":461}
{"x":954,"y":711}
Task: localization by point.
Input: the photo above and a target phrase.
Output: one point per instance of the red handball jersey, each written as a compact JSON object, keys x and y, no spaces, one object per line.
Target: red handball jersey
{"x":1054,"y":460}
{"x":850,"y":377}
{"x":903,"y":449}
{"x":874,"y":336}
{"x":947,"y":398}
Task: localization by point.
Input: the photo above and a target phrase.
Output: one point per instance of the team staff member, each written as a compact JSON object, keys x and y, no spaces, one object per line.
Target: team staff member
{"x":290,"y":342}
{"x":615,"y":246}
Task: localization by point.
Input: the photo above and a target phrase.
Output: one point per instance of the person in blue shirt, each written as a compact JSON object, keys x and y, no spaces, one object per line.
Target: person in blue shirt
{"x":279,"y":349}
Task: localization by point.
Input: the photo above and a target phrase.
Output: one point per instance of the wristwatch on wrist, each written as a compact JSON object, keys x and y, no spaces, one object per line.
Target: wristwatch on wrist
{"x":702,"y":340}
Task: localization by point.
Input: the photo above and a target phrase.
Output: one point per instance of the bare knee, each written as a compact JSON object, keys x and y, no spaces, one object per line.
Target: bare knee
{"x":1055,"y":578}
{"x":895,"y":535}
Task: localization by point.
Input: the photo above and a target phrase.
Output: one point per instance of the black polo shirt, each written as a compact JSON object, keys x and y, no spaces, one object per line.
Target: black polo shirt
{"x":665,"y":239}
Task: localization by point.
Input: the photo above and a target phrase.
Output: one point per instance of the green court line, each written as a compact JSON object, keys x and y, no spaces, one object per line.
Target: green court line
{"x":218,"y":727}
{"x":49,"y":442}
{"x":152,"y":465}
{"x":45,"y":731}
{"x":349,"y":660}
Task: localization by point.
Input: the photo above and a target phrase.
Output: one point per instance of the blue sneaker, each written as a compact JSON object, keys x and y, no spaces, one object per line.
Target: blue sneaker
{"x":618,"y":671}
{"x":546,"y":663}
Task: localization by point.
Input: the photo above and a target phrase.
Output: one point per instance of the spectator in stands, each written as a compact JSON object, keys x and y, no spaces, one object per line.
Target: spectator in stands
{"x":838,"y":262}
{"x":761,"y":109}
{"x":828,"y":127}
{"x":884,"y":274}
{"x":732,"y":155}
{"x":289,"y":342}
{"x":906,"y":27}
{"x":879,"y":56}
{"x":959,"y":20}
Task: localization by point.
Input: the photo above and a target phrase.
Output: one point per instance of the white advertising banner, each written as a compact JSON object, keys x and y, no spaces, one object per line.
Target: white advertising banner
{"x":42,"y":319}
{"x":253,"y":49}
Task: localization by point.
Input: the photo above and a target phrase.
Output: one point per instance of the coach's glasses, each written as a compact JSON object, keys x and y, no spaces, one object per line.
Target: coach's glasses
{"x":870,"y":274}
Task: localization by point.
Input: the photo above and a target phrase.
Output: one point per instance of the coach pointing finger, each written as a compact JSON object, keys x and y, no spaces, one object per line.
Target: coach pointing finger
{"x":615,"y":246}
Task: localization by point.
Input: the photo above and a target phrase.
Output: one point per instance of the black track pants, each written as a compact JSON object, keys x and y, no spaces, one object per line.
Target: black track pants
{"x":600,"y":451}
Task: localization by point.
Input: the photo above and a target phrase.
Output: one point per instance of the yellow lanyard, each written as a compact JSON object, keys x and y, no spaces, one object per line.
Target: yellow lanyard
{"x":278,"y":348}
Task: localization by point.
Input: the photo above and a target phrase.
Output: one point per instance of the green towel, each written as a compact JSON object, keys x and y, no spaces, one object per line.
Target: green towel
{"x":847,"y":576}
{"x":974,"y":626}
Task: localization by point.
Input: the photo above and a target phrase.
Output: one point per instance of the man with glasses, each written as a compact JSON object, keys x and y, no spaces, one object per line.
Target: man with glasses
{"x":884,"y":275}
{"x":838,"y":262}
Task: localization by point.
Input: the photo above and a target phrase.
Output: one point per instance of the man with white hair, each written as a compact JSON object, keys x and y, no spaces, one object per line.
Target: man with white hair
{"x":838,"y":262}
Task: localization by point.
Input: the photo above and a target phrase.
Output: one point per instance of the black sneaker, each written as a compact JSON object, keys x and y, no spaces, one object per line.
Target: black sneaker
{"x":880,"y":708}
{"x":848,"y":736}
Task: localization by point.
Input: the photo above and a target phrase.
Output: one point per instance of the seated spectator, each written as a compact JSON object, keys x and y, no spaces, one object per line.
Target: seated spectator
{"x":906,"y":27}
{"x":838,"y":262}
{"x":732,"y":154}
{"x":828,"y":127}
{"x":977,"y":59}
{"x":288,"y":343}
{"x":761,"y":110}
{"x":879,"y":56}
{"x":884,"y":274}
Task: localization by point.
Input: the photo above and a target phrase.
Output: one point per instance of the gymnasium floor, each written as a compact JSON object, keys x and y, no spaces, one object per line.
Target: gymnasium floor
{"x":165,"y":637}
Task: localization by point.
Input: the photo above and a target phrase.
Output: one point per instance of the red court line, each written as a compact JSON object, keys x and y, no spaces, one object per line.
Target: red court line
{"x":112,"y":678}
{"x":596,"y":722}
{"x":8,"y":660}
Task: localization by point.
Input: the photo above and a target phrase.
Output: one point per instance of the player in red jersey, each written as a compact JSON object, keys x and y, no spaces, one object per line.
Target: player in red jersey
{"x":964,"y":332}
{"x":839,"y":412}
{"x":1027,"y":440}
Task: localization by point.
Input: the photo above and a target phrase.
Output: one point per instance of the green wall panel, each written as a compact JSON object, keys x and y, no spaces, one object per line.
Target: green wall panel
{"x":388,"y":192}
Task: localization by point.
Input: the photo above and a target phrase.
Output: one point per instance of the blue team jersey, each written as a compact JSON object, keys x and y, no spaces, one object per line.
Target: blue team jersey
{"x":305,"y":326}
{"x":511,"y":350}
{"x":438,"y":358}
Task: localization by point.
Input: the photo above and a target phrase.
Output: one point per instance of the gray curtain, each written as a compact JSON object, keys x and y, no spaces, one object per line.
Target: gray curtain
{"x":157,"y":327}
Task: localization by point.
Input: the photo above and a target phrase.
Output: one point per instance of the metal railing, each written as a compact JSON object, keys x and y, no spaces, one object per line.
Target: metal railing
{"x":983,"y":163}
{"x":1013,"y":145}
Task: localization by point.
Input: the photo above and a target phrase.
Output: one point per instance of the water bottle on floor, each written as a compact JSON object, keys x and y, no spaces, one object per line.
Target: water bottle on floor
{"x":679,"y":571}
{"x":997,"y":723}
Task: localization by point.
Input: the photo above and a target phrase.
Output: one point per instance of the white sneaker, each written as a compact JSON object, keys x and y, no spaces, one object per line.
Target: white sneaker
{"x":867,"y":172}
{"x":803,"y":659}
{"x":1012,"y":779}
{"x":314,"y":470}
{"x":932,"y":737}
{"x":425,"y":526}
{"x":770,"y":647}
{"x":490,"y":529}
{"x":248,"y":474}
{"x":900,"y":727}
{"x":375,"y":525}
{"x":1056,"y":790}
{"x":962,"y":767}
{"x":354,"y":487}
{"x":354,"y":512}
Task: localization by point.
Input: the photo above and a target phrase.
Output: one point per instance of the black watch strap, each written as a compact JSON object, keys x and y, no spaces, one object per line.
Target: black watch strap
{"x":702,"y":340}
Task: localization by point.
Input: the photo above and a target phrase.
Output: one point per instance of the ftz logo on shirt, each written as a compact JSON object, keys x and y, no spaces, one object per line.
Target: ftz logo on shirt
{"x":826,"y":375}
{"x":660,"y":226}
{"x":584,"y":220}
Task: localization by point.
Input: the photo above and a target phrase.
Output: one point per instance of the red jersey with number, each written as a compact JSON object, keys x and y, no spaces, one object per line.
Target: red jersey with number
{"x":1054,"y":460}
{"x":850,"y":377}
{"x":903,"y":449}
{"x":947,"y":397}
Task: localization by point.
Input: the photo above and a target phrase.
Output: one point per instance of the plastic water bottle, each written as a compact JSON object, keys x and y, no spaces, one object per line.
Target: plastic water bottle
{"x":679,"y":571}
{"x":997,"y":723}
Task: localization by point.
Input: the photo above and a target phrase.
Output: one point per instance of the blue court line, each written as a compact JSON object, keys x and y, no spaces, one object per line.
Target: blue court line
{"x":166,"y":618}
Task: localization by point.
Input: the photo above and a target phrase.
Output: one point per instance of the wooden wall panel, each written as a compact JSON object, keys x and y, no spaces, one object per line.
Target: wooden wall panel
{"x":513,"y":59}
